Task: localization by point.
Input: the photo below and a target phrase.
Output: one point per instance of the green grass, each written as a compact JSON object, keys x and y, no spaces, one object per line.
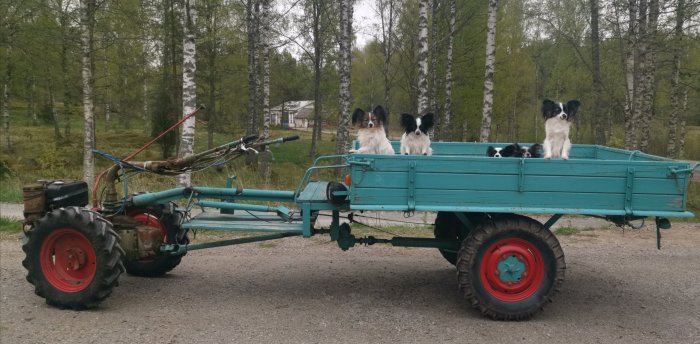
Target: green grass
{"x":10,"y":225}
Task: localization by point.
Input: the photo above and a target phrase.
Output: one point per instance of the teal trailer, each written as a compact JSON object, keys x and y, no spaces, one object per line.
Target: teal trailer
{"x":509,"y":265}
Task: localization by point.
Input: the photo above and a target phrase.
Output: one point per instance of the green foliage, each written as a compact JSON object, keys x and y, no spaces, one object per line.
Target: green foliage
{"x":10,"y":225}
{"x":566,"y":231}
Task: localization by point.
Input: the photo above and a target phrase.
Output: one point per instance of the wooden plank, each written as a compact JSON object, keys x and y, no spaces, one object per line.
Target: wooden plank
{"x":381,"y":196}
{"x":494,"y":182}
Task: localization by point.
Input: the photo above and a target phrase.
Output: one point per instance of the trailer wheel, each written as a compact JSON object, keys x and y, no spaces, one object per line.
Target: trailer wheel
{"x":448,"y":226}
{"x":73,"y":258}
{"x":510,"y":268}
{"x":169,"y":225}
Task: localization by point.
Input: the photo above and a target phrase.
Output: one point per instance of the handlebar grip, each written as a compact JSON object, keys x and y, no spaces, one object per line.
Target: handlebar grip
{"x":290,"y":138}
{"x":250,"y":138}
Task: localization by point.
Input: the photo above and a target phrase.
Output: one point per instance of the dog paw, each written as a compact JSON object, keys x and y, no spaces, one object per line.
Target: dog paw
{"x":565,"y":157}
{"x":352,"y":151}
{"x":547,"y":157}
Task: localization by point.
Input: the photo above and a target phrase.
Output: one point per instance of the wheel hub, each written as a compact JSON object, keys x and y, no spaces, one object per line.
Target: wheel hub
{"x":512,"y":269}
{"x":68,"y":260}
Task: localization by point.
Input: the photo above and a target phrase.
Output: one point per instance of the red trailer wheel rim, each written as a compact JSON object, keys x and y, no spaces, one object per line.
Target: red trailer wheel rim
{"x":68,"y":260}
{"x":512,"y":269}
{"x":148,"y":219}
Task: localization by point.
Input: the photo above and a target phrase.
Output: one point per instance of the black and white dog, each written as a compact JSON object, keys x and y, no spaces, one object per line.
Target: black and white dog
{"x":415,"y":140}
{"x":370,"y":132}
{"x":516,"y":151}
{"x":557,"y":124}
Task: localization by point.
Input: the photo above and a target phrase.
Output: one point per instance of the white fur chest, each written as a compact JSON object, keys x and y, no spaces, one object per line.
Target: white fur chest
{"x":557,"y":128}
{"x":374,"y":141}
{"x":415,"y":144}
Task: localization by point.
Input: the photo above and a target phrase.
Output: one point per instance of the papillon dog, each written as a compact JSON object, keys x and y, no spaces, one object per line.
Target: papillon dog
{"x":534,"y":151}
{"x":512,"y":150}
{"x":557,"y":124}
{"x":415,"y":140}
{"x":370,"y":132}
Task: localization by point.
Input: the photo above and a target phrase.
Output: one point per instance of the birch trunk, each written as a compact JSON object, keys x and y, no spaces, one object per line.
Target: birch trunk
{"x":488,"y":74}
{"x":598,"y":114}
{"x":681,"y":125}
{"x":189,"y":88}
{"x":65,"y":75}
{"x":445,"y":132}
{"x":640,"y":87}
{"x":422,"y":56}
{"x":265,"y":38}
{"x":387,"y":49}
{"x":108,"y":116}
{"x":676,"y":93}
{"x":87,"y":27}
{"x":252,"y":65}
{"x":344,"y":66}
{"x":630,"y":124}
{"x":5,"y":110}
{"x":317,"y":57}
{"x":432,"y":96}
{"x":145,"y":116}
{"x":649,"y":75}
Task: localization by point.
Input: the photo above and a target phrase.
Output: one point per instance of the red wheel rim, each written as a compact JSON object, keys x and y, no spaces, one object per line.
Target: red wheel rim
{"x":68,"y":260}
{"x":512,"y":269}
{"x":148,"y":219}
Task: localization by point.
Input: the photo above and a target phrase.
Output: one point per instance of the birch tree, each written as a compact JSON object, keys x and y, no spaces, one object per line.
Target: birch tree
{"x":676,"y":87}
{"x":487,"y":111}
{"x":265,"y":39}
{"x":87,"y":29}
{"x":445,"y":132}
{"x":422,"y":56}
{"x":599,"y":126}
{"x":629,"y":65}
{"x":649,"y":75}
{"x":344,"y":67}
{"x":189,"y":87}
{"x":387,"y":15}
{"x":251,"y":28}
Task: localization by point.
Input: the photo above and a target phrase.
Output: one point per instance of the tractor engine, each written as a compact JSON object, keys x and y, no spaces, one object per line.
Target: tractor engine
{"x":138,"y":240}
{"x":46,"y":195}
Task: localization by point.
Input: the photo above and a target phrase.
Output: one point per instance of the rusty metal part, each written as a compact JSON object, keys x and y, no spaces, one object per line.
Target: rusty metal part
{"x":130,"y":243}
{"x":34,"y":201}
{"x":149,"y":241}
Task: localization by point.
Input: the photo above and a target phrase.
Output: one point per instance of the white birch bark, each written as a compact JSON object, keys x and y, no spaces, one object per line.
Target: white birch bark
{"x":487,"y":111}
{"x":252,"y":65}
{"x":676,"y":93}
{"x":265,"y":38}
{"x":640,"y":87}
{"x":423,"y":56}
{"x":387,"y":23}
{"x":630,"y":136}
{"x":432,"y":96}
{"x":649,"y":76}
{"x":189,"y":88}
{"x":87,"y":26}
{"x":445,"y":132}
{"x":344,"y":66}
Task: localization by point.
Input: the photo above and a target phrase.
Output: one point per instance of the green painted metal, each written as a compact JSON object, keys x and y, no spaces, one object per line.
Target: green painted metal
{"x":182,"y":249}
{"x":208,"y":192}
{"x":510,"y":270}
{"x":596,"y":181}
{"x":314,"y":192}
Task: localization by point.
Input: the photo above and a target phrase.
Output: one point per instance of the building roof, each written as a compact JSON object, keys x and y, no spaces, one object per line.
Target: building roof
{"x":293,"y":106}
{"x":306,"y":112}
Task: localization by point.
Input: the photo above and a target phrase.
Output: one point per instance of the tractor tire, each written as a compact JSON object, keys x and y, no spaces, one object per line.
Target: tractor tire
{"x":510,"y":268}
{"x":447,"y":226}
{"x":73,"y":258}
{"x":169,"y":225}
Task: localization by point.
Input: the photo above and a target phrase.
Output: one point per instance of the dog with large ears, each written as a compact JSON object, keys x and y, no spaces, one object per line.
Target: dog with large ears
{"x":370,"y":132}
{"x":415,"y":139}
{"x":558,"y":118}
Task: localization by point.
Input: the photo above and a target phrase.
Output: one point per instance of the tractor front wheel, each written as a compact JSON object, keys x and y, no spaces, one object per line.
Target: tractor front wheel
{"x":510,"y":268}
{"x":73,"y":258}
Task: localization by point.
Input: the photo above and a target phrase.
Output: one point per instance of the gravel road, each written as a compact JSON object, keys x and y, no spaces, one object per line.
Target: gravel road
{"x":618,"y":289}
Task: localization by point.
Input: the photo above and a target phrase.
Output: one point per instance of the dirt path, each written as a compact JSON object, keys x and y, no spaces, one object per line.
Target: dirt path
{"x":618,"y":289}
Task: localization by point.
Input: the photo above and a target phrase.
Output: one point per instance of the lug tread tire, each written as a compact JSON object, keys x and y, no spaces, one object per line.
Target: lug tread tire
{"x":469,"y":279}
{"x":104,"y":241}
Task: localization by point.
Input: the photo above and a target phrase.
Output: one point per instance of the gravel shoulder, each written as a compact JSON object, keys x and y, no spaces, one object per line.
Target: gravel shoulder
{"x":619,"y":289}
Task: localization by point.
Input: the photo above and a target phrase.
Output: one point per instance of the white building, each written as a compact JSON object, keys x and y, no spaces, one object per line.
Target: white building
{"x":294,"y":114}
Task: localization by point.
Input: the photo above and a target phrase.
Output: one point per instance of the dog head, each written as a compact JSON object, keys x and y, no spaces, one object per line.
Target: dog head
{"x":513,"y":150}
{"x":417,"y":125}
{"x":534,"y":151}
{"x":563,"y":111}
{"x":366,"y":120}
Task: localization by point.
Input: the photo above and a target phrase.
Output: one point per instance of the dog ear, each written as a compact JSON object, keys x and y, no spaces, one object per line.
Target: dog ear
{"x":427,"y":121}
{"x":509,"y":150}
{"x":536,"y":150}
{"x":572,"y":106}
{"x":491,"y":151}
{"x":408,"y":122}
{"x":548,"y":107}
{"x":379,"y":113}
{"x":357,"y":115}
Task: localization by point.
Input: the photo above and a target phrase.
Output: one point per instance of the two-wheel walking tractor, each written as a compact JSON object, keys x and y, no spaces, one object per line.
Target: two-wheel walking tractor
{"x":509,"y":265}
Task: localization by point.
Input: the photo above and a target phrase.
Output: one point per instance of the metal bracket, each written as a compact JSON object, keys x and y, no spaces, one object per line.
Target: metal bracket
{"x":411,"y":185}
{"x":521,"y":177}
{"x":629,"y":187}
{"x":552,"y":220}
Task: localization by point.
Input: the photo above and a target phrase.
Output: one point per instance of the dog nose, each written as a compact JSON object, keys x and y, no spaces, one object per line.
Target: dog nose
{"x":418,"y":132}
{"x":370,"y":124}
{"x":563,"y":116}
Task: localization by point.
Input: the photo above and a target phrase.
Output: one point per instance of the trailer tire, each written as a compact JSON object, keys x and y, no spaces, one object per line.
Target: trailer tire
{"x":448,"y":226}
{"x":72,"y":257}
{"x":510,"y":268}
{"x":173,"y":234}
